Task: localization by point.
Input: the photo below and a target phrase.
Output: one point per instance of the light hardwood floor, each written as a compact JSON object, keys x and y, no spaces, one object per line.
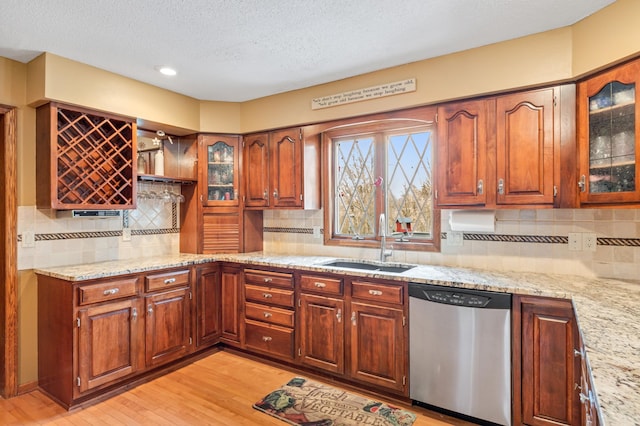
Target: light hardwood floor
{"x":217,"y":390}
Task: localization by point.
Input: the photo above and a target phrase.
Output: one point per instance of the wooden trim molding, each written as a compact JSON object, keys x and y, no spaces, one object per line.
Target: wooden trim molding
{"x":9,"y":255}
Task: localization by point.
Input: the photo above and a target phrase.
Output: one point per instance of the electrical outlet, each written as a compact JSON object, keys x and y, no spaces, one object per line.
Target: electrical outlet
{"x":589,"y":241}
{"x":575,"y":241}
{"x":455,"y":238}
{"x":28,"y":239}
{"x":316,"y":232}
{"x":126,"y":234}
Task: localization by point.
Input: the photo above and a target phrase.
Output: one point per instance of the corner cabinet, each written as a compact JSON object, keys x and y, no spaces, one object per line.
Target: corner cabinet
{"x":282,"y":170}
{"x":220,"y":156}
{"x":506,"y":151}
{"x":608,"y":125}
{"x":84,"y":159}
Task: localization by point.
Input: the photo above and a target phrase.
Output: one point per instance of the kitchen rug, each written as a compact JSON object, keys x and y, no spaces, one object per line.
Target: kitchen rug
{"x":305,"y":402}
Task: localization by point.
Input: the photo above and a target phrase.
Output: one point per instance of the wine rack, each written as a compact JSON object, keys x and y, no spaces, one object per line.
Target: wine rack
{"x":85,"y":159}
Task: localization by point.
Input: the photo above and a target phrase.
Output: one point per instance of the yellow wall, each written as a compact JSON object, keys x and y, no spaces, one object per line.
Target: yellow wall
{"x":604,"y":38}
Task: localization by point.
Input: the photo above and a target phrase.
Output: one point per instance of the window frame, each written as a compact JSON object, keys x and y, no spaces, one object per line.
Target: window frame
{"x":362,"y":128}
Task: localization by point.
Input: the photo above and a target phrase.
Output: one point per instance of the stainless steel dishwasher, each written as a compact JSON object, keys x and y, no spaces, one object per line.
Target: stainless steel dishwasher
{"x":460,"y":351}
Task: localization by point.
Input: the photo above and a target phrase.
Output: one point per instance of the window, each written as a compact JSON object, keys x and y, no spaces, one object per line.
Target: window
{"x":382,"y":167}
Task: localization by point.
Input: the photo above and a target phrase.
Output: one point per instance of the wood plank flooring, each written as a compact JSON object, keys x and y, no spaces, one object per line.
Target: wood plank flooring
{"x":217,"y":390}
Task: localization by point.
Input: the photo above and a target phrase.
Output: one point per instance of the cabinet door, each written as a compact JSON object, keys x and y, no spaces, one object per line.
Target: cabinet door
{"x":461,"y":154}
{"x":256,"y":166}
{"x":525,"y":144}
{"x":608,"y":126}
{"x":550,"y":369}
{"x":110,"y":343}
{"x":322,"y":332}
{"x":378,"y":346}
{"x":230,"y":304}
{"x":221,"y":157}
{"x":207,"y":306}
{"x":286,"y":168}
{"x":167,"y":326}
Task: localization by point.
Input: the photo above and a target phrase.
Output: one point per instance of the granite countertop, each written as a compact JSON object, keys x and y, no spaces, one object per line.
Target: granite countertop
{"x":608,"y":310}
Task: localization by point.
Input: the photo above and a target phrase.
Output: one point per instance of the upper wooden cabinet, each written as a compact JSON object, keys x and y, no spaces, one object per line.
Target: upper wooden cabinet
{"x":84,"y":159}
{"x":505,"y":151}
{"x":608,"y":123}
{"x":282,"y":170}
{"x":220,"y":159}
{"x":180,"y":155}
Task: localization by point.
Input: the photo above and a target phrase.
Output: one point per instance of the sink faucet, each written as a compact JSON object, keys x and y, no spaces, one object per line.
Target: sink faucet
{"x":384,"y":252}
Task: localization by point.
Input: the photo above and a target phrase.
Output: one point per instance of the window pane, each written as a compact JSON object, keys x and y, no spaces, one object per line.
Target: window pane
{"x":409,"y":188}
{"x":354,"y":189}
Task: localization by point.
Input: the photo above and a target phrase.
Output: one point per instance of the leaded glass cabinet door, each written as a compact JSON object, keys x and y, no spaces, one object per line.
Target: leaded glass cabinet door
{"x":607,"y":129}
{"x":221,"y":170}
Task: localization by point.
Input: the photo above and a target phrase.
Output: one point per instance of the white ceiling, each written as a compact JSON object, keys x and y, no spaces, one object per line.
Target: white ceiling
{"x":237,"y":50}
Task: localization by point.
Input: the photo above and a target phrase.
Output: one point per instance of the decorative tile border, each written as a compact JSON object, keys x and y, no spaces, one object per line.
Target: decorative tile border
{"x":99,"y":234}
{"x":290,"y":230}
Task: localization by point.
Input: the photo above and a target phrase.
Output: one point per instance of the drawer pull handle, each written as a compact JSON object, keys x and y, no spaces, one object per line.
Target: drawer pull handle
{"x":353,"y":318}
{"x":134,"y":314}
{"x":267,"y":338}
{"x":267,"y":295}
{"x":375,"y":292}
{"x":268,"y":280}
{"x":319,"y":284}
{"x":267,"y":314}
{"x":150,"y":309}
{"x":111,"y":291}
{"x":339,"y":315}
{"x":170,"y":281}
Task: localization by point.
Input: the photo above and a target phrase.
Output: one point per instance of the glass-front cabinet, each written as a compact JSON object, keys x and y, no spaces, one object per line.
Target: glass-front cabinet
{"x":607,"y":129}
{"x":221,"y":154}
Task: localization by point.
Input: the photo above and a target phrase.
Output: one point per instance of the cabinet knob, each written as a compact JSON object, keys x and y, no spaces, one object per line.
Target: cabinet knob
{"x":480,"y":187}
{"x":501,"y":186}
{"x":353,"y":318}
{"x":275,"y":193}
{"x":134,"y":314}
{"x":266,"y":194}
{"x":339,"y":315}
{"x":150,"y":309}
{"x":111,"y":291}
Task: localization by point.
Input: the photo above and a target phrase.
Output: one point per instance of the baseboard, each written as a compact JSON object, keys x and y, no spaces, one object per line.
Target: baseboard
{"x":27,"y":387}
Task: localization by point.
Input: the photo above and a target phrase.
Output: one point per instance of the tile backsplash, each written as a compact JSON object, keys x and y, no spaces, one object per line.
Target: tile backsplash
{"x":524,"y":240}
{"x":47,"y":238}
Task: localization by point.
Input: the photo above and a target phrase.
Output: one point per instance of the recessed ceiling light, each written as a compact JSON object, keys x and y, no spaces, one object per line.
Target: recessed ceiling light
{"x":166,"y":70}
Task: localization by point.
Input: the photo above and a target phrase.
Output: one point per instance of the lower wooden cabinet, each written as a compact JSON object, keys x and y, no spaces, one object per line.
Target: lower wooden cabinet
{"x":546,"y":367}
{"x":208,"y":313}
{"x":109,"y":343}
{"x":360,"y":333}
{"x":97,"y":335}
{"x":230,"y":306}
{"x":168,"y":326}
{"x":322,"y":332}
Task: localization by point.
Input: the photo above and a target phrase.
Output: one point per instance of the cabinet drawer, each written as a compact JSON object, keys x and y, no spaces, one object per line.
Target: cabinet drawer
{"x":167,"y":280}
{"x":377,"y":292}
{"x":271,"y":296}
{"x":269,"y":338}
{"x":271,"y":279}
{"x":321,"y":284}
{"x":115,"y":289}
{"x":269,"y":314}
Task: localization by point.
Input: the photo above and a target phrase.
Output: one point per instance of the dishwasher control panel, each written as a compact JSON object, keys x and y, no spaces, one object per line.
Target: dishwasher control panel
{"x":454,"y":298}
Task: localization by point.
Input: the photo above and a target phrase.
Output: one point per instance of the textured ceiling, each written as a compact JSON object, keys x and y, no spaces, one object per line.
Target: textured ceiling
{"x":236,"y":50}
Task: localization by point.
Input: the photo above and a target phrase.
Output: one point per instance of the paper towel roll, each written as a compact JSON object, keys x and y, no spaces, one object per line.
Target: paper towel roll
{"x":473,"y":220}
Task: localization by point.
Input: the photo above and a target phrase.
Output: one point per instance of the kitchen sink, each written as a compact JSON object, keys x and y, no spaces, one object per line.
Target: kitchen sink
{"x":370,"y":266}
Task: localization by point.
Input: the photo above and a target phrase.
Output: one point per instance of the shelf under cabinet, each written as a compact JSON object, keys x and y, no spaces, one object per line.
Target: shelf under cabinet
{"x":165,"y":179}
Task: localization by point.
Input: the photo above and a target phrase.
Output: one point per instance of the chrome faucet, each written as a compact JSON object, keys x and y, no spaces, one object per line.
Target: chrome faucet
{"x":384,"y":252}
